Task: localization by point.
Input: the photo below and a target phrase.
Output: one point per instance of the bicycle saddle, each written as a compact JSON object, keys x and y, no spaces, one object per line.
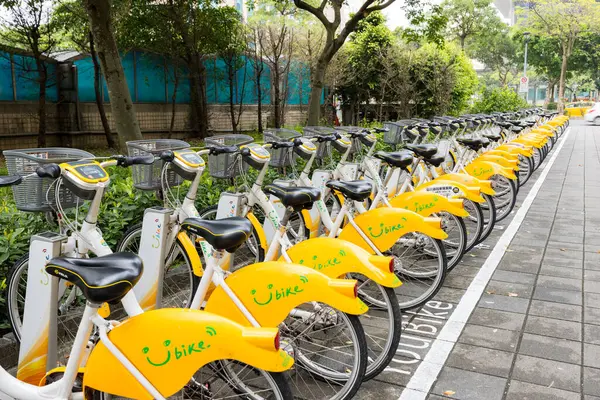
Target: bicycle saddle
{"x":10,"y":180}
{"x":400,"y":159}
{"x":436,"y":160}
{"x":298,"y":198}
{"x":492,"y":136}
{"x":473,"y":144}
{"x":101,"y":279}
{"x":353,"y":190}
{"x":222,"y":234}
{"x":423,"y":150}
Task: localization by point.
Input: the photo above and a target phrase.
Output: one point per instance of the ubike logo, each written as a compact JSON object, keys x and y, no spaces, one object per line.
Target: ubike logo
{"x":178,"y":351}
{"x":317,"y":263}
{"x":383,"y":229}
{"x":156,"y":235}
{"x":418,"y":207}
{"x":274,"y":218}
{"x":278,"y":294}
{"x":480,"y":171}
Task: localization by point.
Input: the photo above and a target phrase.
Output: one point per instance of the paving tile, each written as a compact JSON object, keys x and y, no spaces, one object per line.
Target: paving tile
{"x":550,"y":270}
{"x":469,"y":385}
{"x":566,"y":245}
{"x":551,"y":348}
{"x":556,"y":310}
{"x":457,"y":281}
{"x":529,"y":268}
{"x":557,"y":328}
{"x":591,"y":381}
{"x":562,"y":253}
{"x":591,"y":334}
{"x":588,"y":397}
{"x":559,"y":282}
{"x":591,"y":286}
{"x":517,"y":257}
{"x":493,"y":338}
{"x":527,"y":391}
{"x":547,"y":372}
{"x":591,"y":260}
{"x":504,"y":303}
{"x":509,"y":289}
{"x":557,"y":295}
{"x":497,"y":318}
{"x":591,"y":315}
{"x":592,"y":299}
{"x":591,"y":275}
{"x":449,"y":295}
{"x":592,"y":238}
{"x":480,"y":359}
{"x":591,"y":355}
{"x":375,"y":390}
{"x":516,"y":277}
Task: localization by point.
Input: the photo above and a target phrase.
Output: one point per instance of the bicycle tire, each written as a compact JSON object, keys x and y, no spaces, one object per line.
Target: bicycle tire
{"x":525,"y":169}
{"x":12,"y":307}
{"x":490,"y":208}
{"x":461,"y":248}
{"x":474,"y":223}
{"x":503,"y":209}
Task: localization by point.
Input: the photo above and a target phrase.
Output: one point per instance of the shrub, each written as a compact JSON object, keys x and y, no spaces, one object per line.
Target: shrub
{"x":552,"y":106}
{"x":498,"y":100}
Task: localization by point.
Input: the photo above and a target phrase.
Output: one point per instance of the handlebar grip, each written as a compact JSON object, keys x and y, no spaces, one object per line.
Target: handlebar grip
{"x":297,"y":142}
{"x":48,"y":171}
{"x":381,"y":130}
{"x":127,"y":161}
{"x":281,"y":145}
{"x":245,"y":152}
{"x":167,"y":156}
{"x":223,"y":150}
{"x":10,"y":180}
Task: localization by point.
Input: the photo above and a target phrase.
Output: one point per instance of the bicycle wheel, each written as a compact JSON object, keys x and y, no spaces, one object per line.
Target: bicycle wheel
{"x":505,"y":197}
{"x":330,"y":350}
{"x":474,"y":222}
{"x":538,"y":158}
{"x":225,"y":380}
{"x":488,"y":207}
{"x":525,"y":169}
{"x":382,"y":324}
{"x":179,"y":280}
{"x":456,"y":242}
{"x":252,"y":251}
{"x":420,"y":263}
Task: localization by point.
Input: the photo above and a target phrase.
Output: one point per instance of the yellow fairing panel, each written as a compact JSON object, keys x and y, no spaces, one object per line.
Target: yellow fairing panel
{"x":271,"y":290}
{"x":485,"y":186}
{"x":169,"y":345}
{"x":384,"y":226}
{"x":425,"y":204}
{"x":460,"y":190}
{"x":513,"y":165}
{"x":514,"y":148}
{"x":336,"y":257}
{"x":503,"y":153}
{"x":487,"y":169}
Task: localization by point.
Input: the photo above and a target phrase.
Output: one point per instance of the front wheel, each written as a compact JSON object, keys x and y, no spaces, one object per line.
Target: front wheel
{"x":505,"y":197}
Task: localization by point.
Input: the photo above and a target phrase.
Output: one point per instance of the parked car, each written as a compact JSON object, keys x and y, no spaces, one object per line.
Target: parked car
{"x":578,"y":109}
{"x":593,"y":114}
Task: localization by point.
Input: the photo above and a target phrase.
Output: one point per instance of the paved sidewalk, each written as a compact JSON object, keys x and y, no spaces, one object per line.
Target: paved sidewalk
{"x":535,"y":333}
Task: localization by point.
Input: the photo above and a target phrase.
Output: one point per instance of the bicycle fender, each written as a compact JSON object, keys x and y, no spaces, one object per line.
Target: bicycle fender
{"x":272,"y":289}
{"x":384,"y":226}
{"x":503,"y":153}
{"x":451,"y":189}
{"x":192,"y":253}
{"x":515,"y":148}
{"x":503,"y":162}
{"x":259,"y":230}
{"x":311,"y":224}
{"x":486,"y":169}
{"x":425,"y":204}
{"x":336,"y":258}
{"x":169,"y":345}
{"x":485,"y":186}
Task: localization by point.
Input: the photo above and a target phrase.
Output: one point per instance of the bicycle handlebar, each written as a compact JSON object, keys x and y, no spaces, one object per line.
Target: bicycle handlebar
{"x":10,"y":180}
{"x":48,"y":171}
{"x":127,"y":161}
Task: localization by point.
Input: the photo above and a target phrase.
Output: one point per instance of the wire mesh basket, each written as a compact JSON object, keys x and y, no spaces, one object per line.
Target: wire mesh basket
{"x":36,"y":194}
{"x":396,"y":131}
{"x":282,"y":157}
{"x":225,"y":165}
{"x":350,"y":129}
{"x":148,"y":177}
{"x":325,"y":147}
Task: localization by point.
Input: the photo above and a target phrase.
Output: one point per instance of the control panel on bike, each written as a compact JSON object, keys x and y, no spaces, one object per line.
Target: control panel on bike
{"x":187,"y":163}
{"x":84,"y":177}
{"x":255,"y":155}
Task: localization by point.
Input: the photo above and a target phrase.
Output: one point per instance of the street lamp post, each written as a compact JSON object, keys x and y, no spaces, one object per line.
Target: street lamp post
{"x":526,"y":39}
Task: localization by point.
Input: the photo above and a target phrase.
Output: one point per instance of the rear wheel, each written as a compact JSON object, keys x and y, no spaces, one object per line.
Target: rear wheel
{"x":474,"y":223}
{"x":488,"y":208}
{"x":505,"y":197}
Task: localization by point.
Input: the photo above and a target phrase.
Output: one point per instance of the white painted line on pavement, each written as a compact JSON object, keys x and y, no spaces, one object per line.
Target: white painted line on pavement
{"x":425,"y":375}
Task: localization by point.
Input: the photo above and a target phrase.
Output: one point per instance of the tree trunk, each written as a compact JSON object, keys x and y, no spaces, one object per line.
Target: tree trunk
{"x":316,"y":90}
{"x":230,"y":78}
{"x":110,"y":140}
{"x":43,"y":78}
{"x":276,"y":95}
{"x":563,"y":75}
{"x":462,"y":43}
{"x":259,"y":96}
{"x":121,"y":105}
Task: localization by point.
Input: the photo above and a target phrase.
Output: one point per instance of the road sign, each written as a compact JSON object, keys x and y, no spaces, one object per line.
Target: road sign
{"x":524,"y":84}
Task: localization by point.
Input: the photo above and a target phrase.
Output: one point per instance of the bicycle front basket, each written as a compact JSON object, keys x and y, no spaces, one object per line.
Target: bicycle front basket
{"x":147,"y":177}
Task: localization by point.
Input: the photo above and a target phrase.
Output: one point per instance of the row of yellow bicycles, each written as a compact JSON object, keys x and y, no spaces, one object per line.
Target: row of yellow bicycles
{"x":292,"y":286}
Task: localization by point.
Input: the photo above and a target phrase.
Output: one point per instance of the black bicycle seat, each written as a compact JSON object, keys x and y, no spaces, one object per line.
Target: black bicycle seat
{"x":222,"y":234}
{"x":423,"y":150}
{"x":298,"y":198}
{"x":473,"y":144}
{"x":399,"y":159}
{"x":353,"y":190}
{"x":101,"y":279}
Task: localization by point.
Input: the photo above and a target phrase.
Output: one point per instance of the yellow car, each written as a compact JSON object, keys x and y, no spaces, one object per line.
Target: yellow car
{"x":578,"y":109}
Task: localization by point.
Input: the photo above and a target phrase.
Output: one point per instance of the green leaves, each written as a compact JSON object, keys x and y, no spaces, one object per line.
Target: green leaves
{"x":499,"y":99}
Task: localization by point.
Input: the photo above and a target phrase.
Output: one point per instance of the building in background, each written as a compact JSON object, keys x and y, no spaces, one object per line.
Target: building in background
{"x":506,"y":9}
